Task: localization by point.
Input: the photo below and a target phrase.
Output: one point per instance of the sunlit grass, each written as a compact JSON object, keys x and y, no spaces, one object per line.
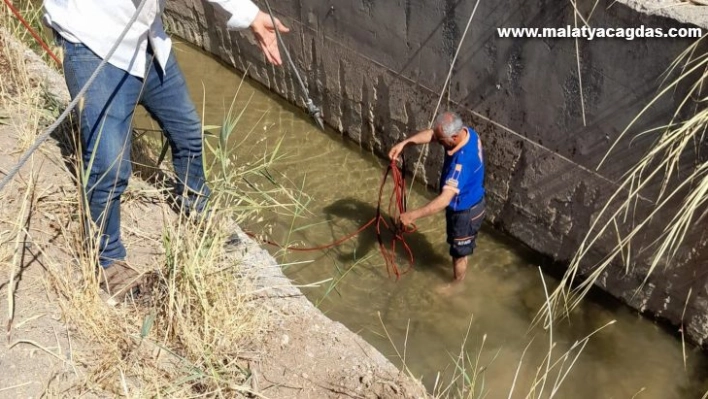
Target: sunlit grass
{"x":190,"y":339}
{"x":683,"y":183}
{"x":21,"y":93}
{"x":203,"y":316}
{"x":191,"y":329}
{"x":32,"y":12}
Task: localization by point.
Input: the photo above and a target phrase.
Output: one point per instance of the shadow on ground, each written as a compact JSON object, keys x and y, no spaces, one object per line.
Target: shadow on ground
{"x":426,"y":256}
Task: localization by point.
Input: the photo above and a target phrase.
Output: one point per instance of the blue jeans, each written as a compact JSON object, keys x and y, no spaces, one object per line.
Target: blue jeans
{"x":106,"y":115}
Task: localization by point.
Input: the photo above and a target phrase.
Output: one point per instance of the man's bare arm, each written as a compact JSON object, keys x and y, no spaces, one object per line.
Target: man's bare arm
{"x":436,"y":205}
{"x":422,"y":137}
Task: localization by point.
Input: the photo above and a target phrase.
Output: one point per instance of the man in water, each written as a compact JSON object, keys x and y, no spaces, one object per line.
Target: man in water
{"x":142,"y":70}
{"x":461,"y":185}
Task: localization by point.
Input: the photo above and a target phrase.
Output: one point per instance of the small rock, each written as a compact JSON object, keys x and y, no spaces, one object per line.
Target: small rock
{"x":284,"y":340}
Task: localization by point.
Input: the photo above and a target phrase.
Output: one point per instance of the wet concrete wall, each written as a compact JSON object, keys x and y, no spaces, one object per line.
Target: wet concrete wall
{"x":378,"y":69}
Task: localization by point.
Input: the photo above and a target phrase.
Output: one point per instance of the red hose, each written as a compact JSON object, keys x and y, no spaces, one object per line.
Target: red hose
{"x":397,"y":204}
{"x":32,"y":32}
{"x":396,"y":200}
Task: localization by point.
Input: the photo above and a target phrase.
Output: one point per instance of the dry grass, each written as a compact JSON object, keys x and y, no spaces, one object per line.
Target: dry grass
{"x":12,"y":254}
{"x":192,"y":337}
{"x":32,"y":12}
{"x":19,"y":89}
{"x":19,"y":94}
{"x":680,"y":182}
{"x":196,"y":335}
{"x":467,"y":379}
{"x":195,"y":338}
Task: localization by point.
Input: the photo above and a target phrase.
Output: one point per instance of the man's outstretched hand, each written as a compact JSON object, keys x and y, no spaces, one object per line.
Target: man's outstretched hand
{"x":264,"y":30}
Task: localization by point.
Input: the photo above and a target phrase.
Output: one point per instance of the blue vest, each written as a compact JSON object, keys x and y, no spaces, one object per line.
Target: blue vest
{"x":463,"y":171}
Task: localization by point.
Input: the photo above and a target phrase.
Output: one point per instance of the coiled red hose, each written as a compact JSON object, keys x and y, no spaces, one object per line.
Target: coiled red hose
{"x":396,"y":206}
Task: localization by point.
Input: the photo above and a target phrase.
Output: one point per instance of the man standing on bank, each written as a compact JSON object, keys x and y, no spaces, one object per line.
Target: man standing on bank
{"x":461,"y":185}
{"x":141,"y":71}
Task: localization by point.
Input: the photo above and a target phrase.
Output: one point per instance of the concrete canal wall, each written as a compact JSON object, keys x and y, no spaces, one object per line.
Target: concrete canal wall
{"x":546,"y":116}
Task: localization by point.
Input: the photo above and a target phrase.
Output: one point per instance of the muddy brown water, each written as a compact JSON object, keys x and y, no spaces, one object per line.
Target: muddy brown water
{"x":488,"y":316}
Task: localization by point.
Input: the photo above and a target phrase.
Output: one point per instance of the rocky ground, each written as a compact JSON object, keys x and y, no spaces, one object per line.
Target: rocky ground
{"x":299,"y":354}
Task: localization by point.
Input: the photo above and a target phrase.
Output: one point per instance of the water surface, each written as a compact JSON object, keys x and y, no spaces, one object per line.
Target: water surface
{"x":339,"y":182}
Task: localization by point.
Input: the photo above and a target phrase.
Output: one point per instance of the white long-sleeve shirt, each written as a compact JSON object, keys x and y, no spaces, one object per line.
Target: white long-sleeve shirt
{"x":98,"y":23}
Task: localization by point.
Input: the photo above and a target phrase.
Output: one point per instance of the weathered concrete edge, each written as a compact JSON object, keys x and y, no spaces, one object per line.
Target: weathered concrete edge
{"x":285,"y":298}
{"x":276,"y":289}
